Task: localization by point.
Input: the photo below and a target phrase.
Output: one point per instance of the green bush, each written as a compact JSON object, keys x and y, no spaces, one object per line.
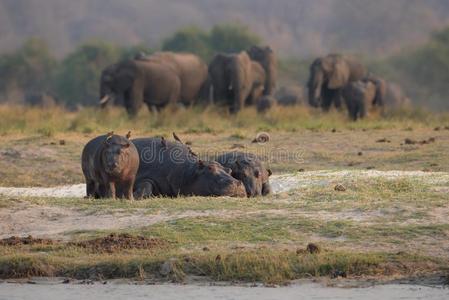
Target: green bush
{"x":191,"y":39}
{"x":221,"y":38}
{"x":423,"y":72}
{"x":77,"y":79}
{"x":31,"y":67}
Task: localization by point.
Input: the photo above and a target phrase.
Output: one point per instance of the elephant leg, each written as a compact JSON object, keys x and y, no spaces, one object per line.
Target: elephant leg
{"x":337,"y":99}
{"x":134,"y":99}
{"x":362,"y":109}
{"x":327,"y":97}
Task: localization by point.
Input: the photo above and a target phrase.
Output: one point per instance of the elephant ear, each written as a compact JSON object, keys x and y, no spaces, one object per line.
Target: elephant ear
{"x":340,"y":75}
{"x":124,"y":79}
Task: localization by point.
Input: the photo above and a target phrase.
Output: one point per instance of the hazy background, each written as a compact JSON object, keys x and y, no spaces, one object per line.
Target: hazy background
{"x":406,"y":41}
{"x":294,"y":27}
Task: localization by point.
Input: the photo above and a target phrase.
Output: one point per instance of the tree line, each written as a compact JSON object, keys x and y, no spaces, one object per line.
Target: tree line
{"x":74,"y":79}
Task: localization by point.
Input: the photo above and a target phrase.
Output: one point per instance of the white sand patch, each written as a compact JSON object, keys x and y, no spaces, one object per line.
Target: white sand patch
{"x":280,"y":183}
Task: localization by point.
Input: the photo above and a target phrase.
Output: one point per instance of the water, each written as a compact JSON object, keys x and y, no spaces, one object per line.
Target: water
{"x":10,"y":291}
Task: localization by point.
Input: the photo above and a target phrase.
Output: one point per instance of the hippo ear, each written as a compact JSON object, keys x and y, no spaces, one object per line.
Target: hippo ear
{"x":201,"y":164}
{"x":269,"y":172}
{"x":257,"y":174}
{"x":238,"y":164}
{"x":128,"y":135}
{"x":110,"y":134}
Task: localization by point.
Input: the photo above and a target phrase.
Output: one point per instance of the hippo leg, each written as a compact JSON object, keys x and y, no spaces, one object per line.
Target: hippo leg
{"x":110,"y":190}
{"x":127,"y":190}
{"x":90,"y":189}
{"x":144,"y":190}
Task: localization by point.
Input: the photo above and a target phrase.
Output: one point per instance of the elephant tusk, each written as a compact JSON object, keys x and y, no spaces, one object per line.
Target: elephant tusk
{"x":104,"y":99}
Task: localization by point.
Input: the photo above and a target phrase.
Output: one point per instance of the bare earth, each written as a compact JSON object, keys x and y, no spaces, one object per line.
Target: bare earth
{"x":25,"y":218}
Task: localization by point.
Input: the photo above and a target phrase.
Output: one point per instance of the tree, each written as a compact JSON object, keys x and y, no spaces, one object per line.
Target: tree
{"x":232,"y":38}
{"x":30,"y":68}
{"x":190,"y":39}
{"x":78,"y":77}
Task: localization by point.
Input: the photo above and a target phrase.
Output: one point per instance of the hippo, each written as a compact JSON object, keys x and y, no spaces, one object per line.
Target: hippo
{"x":171,"y":169}
{"x":249,"y":169}
{"x":110,"y":163}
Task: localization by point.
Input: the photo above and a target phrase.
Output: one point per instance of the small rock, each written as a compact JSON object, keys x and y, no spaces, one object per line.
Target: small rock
{"x":334,"y":130}
{"x":446,"y":127}
{"x":301,"y":251}
{"x":313,"y":248}
{"x":301,"y":170}
{"x":409,"y":142}
{"x":340,"y":188}
{"x":360,"y":153}
{"x":206,"y":249}
{"x":62,"y":142}
{"x":66,"y":281}
{"x":437,"y":128}
{"x":189,"y":143}
{"x":384,"y":140}
{"x":262,"y":138}
{"x":434,"y":165}
{"x":338,"y":273}
{"x":370,"y":167}
{"x":52,"y":143}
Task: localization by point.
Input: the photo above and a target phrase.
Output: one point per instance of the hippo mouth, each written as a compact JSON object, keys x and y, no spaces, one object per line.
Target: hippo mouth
{"x":234,"y":190}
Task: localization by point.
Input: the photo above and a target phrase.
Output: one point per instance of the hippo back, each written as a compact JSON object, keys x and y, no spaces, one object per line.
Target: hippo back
{"x":165,"y":163}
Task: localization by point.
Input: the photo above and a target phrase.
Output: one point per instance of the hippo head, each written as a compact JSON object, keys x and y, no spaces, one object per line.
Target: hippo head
{"x":253,"y":176}
{"x":212,"y":179}
{"x":115,"y":154}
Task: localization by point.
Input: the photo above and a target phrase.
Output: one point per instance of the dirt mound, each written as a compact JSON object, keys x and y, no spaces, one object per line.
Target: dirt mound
{"x":29,"y":240}
{"x":117,"y":242}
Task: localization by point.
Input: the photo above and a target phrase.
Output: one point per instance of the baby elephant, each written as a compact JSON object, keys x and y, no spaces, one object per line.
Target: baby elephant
{"x":249,"y":169}
{"x":359,"y":97}
{"x":110,"y":163}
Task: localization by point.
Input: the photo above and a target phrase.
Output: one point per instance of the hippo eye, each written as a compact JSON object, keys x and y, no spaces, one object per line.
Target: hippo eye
{"x":257,"y":173}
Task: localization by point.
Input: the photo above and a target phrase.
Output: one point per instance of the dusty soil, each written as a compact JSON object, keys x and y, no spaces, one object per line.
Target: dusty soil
{"x":29,"y":240}
{"x":118,"y":242}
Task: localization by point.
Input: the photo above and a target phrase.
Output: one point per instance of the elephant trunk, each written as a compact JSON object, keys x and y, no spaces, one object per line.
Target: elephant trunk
{"x":236,"y":85}
{"x":315,"y":86}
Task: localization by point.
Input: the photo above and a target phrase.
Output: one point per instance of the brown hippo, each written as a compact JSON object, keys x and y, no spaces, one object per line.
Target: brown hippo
{"x":171,"y":169}
{"x":110,"y":163}
{"x":249,"y":169}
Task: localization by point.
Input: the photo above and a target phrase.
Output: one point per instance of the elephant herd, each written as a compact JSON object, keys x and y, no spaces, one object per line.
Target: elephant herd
{"x":336,"y":79}
{"x":237,"y":80}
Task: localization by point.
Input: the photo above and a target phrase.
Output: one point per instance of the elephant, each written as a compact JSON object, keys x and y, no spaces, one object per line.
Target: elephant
{"x":395,"y":97}
{"x":191,"y":69}
{"x":360,"y":97}
{"x":266,"y":57}
{"x":381,"y":89}
{"x":236,"y":80}
{"x":328,"y":76}
{"x":290,"y":95}
{"x":137,"y":82}
{"x":40,"y":99}
{"x":389,"y":95}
